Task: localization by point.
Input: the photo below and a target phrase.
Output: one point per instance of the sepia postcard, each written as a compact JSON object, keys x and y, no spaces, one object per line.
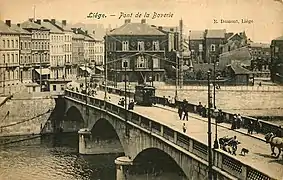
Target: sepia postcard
{"x":139,"y":90}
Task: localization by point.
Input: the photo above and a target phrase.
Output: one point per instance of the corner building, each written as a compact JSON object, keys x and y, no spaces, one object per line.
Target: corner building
{"x":135,"y":52}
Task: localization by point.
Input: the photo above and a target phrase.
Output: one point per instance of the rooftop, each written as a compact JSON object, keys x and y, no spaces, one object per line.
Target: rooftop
{"x":196,"y":35}
{"x":135,"y":29}
{"x":47,"y":24}
{"x":238,"y":69}
{"x":65,"y":28}
{"x":78,"y":36}
{"x":4,"y":28}
{"x":279,"y":38}
{"x":31,"y":25}
{"x":19,"y":29}
{"x":216,"y":33}
{"x":262,"y":45}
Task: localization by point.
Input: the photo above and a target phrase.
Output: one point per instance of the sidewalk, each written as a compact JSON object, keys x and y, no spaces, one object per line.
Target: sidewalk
{"x":224,"y":125}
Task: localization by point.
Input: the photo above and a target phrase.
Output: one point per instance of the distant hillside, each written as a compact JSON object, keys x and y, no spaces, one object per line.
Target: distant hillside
{"x":98,"y":28}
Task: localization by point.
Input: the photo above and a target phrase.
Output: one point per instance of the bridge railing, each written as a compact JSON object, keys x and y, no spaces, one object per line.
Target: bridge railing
{"x":266,"y":127}
{"x":222,"y":160}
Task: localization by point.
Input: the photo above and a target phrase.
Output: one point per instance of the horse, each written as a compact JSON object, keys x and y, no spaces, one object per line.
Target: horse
{"x":275,"y":142}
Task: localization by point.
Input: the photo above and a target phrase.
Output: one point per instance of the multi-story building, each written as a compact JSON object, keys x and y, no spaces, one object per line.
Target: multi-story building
{"x":260,"y":56}
{"x":99,"y":52}
{"x":277,"y":60}
{"x":234,"y":41}
{"x":214,"y":39}
{"x":135,"y":52}
{"x":196,"y":43}
{"x":9,"y":54}
{"x":69,"y":71}
{"x":78,"y":49}
{"x":25,"y":54}
{"x":57,"y":55}
{"x":39,"y":60}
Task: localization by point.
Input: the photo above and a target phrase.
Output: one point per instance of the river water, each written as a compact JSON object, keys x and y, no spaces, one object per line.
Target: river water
{"x":58,"y":160}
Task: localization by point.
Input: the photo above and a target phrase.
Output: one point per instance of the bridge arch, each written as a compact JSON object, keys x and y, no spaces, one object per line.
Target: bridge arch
{"x":73,"y":119}
{"x":154,"y":160}
{"x":104,"y":131}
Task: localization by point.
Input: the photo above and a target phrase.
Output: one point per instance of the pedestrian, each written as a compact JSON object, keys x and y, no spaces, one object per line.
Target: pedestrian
{"x":184,"y":128}
{"x":250,"y":127}
{"x":186,"y":109}
{"x":109,"y":99}
{"x":204,"y":111}
{"x":180,"y":111}
{"x":239,"y":121}
{"x":279,"y":132}
{"x":199,"y":108}
{"x":234,"y":122}
{"x":164,"y":101}
{"x":257,"y":126}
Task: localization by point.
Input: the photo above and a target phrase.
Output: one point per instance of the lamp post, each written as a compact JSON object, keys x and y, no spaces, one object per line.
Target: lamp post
{"x":125,"y":79}
{"x":209,"y":129}
{"x":216,"y":115}
{"x":214,"y":81}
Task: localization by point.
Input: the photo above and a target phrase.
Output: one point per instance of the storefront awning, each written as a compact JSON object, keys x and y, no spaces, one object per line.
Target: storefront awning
{"x":86,"y":69}
{"x":44,"y":71}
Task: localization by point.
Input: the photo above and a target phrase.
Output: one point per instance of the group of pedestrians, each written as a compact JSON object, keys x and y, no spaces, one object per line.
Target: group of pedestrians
{"x":183,"y":110}
{"x":254,"y":126}
{"x":237,"y":121}
{"x":130,"y":105}
{"x":201,"y":110}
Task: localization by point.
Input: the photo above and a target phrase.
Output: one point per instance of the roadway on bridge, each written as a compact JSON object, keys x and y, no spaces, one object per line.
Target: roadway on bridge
{"x":259,"y":152}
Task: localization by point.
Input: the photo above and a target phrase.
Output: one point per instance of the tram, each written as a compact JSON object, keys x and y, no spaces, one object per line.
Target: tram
{"x":144,"y":95}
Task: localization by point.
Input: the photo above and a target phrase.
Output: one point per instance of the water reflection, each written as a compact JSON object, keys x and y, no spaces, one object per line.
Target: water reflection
{"x":49,"y":159}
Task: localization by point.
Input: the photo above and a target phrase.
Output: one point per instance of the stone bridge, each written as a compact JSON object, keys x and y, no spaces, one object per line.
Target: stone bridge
{"x":140,"y":136}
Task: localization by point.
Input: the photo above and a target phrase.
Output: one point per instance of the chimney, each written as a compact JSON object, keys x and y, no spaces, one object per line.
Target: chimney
{"x":159,"y":27}
{"x":143,"y":21}
{"x":45,"y":20}
{"x":171,"y":29}
{"x":30,"y":19}
{"x":53,"y":21}
{"x":93,"y":32}
{"x":8,"y":22}
{"x":19,"y":25}
{"x":38,"y":21}
{"x":64,"y":22}
{"x":86,"y":32}
{"x":127,"y":21}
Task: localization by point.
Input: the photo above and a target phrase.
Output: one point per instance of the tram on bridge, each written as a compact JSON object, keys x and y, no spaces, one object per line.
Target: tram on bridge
{"x":144,"y":95}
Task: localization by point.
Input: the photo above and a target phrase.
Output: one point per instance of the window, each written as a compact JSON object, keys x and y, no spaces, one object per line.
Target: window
{"x":212,"y":47}
{"x":8,"y":43}
{"x":4,"y":44}
{"x":16,"y":43}
{"x":33,"y":89}
{"x":125,"y":46}
{"x":16,"y":58}
{"x":140,"y":46}
{"x":8,"y":58}
{"x":125,"y":63}
{"x":54,"y":87}
{"x":12,"y":42}
{"x":276,"y":49}
{"x":155,"y":45}
{"x":3,"y":58}
{"x":141,"y":62}
{"x":155,"y":62}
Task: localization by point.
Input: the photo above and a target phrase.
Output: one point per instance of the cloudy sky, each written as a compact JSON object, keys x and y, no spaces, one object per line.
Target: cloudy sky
{"x":267,"y":15}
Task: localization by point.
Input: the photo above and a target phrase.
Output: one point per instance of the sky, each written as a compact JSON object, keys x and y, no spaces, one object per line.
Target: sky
{"x":267,"y":15}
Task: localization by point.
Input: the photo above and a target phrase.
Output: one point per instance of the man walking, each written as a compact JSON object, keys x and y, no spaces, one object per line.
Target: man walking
{"x":184,"y":128}
{"x":186,"y":110}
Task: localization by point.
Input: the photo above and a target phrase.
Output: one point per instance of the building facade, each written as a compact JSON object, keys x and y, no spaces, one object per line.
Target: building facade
{"x":25,"y":54}
{"x":40,"y":54}
{"x":69,"y":72}
{"x":78,"y":50}
{"x":196,"y":43}
{"x":214,"y":40}
{"x":9,"y":55}
{"x":57,"y":54}
{"x":99,"y":52}
{"x":261,"y":57}
{"x":135,"y":53}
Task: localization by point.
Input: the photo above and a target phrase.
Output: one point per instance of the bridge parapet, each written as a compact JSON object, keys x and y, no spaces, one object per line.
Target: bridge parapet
{"x":266,"y":127}
{"x":222,"y":161}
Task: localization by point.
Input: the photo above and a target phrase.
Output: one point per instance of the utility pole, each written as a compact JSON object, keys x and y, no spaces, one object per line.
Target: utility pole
{"x":105,"y":67}
{"x":181,"y":54}
{"x":177,"y":77}
{"x":40,"y":69}
{"x":209,"y":129}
